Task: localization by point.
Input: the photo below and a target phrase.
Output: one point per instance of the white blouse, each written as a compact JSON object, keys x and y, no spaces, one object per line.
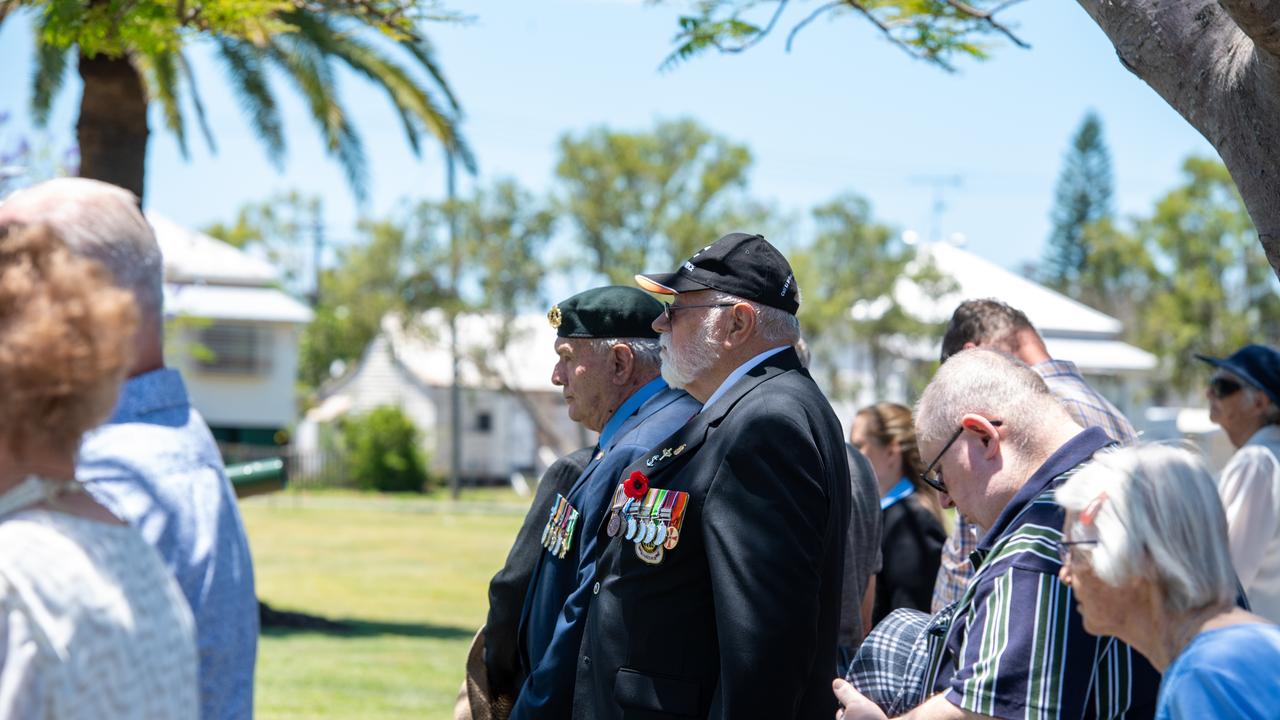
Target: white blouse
{"x":92,"y":625}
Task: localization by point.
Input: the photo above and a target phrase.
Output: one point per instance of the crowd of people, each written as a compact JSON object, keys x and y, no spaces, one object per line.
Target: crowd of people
{"x":742,"y":565}
{"x":722,"y":551}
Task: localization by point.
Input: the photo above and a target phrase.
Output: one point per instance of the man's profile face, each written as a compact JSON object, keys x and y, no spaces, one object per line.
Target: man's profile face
{"x":689,"y":337}
{"x":585,"y":373}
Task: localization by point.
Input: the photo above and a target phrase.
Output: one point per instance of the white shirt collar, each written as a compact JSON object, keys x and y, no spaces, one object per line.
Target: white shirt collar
{"x":741,"y":370}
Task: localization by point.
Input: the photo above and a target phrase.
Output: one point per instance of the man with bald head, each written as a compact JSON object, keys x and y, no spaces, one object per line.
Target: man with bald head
{"x":999,"y":444}
{"x":154,"y":463}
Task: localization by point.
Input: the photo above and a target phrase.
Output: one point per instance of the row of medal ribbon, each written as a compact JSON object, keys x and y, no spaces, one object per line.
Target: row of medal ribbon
{"x":557,"y":537}
{"x":653,"y":520}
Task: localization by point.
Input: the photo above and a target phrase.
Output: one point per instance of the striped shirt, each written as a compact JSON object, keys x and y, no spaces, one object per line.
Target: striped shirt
{"x":1017,"y":647}
{"x":1088,"y":408}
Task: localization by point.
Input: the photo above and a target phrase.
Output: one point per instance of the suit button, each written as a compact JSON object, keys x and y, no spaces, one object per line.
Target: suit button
{"x":586,"y":661}
{"x":596,"y":589}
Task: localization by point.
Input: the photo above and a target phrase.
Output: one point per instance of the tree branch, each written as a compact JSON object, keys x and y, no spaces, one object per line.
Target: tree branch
{"x":988,"y":16}
{"x":782,"y":5}
{"x":822,"y":9}
{"x":888,"y":33}
{"x":1258,"y":19}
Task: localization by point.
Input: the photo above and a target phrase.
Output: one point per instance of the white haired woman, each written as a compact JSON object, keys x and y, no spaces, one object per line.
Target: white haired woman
{"x":1145,"y":553}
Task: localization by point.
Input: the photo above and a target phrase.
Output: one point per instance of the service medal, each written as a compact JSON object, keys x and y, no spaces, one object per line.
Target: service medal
{"x":631,"y":528}
{"x":661,"y":537}
{"x":673,"y":537}
{"x":615,"y":524}
{"x":650,"y":554}
{"x":650,"y":532}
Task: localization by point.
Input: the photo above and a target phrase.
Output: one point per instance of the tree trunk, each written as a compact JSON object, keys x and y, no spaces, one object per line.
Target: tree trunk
{"x":1217,"y":62}
{"x":112,"y":129}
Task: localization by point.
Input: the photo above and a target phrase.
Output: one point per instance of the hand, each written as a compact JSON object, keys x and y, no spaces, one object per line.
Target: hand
{"x":855,"y":705}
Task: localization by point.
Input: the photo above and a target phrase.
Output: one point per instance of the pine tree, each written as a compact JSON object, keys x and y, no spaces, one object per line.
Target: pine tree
{"x":1082,"y":198}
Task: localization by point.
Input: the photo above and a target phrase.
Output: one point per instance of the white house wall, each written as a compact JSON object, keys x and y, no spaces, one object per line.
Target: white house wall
{"x":251,"y":401}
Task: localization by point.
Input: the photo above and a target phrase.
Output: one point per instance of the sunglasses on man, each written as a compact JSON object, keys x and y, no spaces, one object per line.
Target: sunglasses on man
{"x":1223,"y":387}
{"x":932,"y":475}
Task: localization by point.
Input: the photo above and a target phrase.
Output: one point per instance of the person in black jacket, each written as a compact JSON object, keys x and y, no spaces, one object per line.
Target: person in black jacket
{"x":912,"y":535}
{"x":509,"y":585}
{"x":718,"y":589}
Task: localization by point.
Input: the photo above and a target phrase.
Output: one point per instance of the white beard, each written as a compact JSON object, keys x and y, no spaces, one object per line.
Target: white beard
{"x":680,"y":369}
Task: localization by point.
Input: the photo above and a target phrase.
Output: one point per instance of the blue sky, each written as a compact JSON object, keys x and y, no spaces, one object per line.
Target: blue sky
{"x":844,"y":111}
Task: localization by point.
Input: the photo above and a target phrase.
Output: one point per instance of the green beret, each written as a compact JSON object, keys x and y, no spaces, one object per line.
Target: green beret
{"x":612,"y":311}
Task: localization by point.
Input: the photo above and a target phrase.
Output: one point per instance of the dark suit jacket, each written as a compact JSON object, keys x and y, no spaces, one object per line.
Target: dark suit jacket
{"x":739,"y":620}
{"x":508,"y":587}
{"x":912,"y":549}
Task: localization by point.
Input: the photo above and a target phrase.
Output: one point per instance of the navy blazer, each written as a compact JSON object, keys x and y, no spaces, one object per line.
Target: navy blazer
{"x":559,"y":594}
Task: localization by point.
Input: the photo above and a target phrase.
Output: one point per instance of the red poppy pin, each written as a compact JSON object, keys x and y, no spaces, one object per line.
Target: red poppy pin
{"x":636,"y":486}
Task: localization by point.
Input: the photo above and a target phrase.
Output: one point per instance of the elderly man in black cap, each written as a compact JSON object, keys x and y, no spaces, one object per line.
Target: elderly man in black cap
{"x":718,"y":589}
{"x":609,"y":366}
{"x":1244,"y":398}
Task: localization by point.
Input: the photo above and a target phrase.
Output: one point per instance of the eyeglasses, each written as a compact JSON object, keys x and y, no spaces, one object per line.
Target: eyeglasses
{"x":1223,"y":387}
{"x":671,"y":308}
{"x":932,"y":475}
{"x":1065,"y":546}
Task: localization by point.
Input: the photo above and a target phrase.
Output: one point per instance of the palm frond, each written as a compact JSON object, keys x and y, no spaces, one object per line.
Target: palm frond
{"x":425,"y":53}
{"x":412,"y":102}
{"x":161,"y":74}
{"x":46,"y":80}
{"x":190,"y":77}
{"x":309,"y":71}
{"x":244,"y":64}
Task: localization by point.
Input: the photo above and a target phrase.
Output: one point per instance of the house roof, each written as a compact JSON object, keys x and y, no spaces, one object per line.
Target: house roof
{"x":191,"y":256}
{"x":525,"y":363}
{"x":1071,"y":330}
{"x":1051,"y":312}
{"x":233,"y":302}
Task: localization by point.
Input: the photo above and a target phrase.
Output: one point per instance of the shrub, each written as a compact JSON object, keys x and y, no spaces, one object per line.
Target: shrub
{"x":383,"y":451}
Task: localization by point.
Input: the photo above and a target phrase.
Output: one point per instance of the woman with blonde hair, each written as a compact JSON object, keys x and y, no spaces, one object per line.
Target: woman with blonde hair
{"x":1146,"y":555}
{"x":91,"y":623}
{"x":913,"y":533}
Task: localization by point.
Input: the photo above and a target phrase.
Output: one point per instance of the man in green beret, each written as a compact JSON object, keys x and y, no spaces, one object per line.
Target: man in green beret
{"x":610,"y":370}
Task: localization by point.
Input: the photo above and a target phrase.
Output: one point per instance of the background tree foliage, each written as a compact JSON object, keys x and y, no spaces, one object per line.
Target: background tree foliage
{"x":1082,"y":198}
{"x":639,"y":200}
{"x":132,"y":52}
{"x":848,"y":276}
{"x":1212,"y":291}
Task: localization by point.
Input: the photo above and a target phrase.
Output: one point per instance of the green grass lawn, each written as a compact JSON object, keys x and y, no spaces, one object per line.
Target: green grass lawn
{"x":410,"y":574}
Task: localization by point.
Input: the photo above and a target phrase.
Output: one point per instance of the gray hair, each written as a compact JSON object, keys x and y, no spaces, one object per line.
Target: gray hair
{"x":645,"y":350}
{"x":101,"y":222}
{"x":1160,"y":517}
{"x":993,"y":385}
{"x":775,"y":326}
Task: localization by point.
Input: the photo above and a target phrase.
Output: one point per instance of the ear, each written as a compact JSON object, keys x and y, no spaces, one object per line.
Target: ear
{"x":742,"y":325}
{"x":988,"y":433}
{"x":968,"y":345}
{"x":623,"y":364}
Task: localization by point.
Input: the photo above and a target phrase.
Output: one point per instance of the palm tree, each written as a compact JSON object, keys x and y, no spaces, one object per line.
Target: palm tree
{"x":133,"y":52}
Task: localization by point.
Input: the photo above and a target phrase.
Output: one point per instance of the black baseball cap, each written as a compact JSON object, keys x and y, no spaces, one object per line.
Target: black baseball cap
{"x":1257,"y":365}
{"x":613,"y":311}
{"x":740,"y":264}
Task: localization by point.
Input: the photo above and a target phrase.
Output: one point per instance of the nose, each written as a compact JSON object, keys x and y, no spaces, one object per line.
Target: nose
{"x":1064,"y":575}
{"x":660,"y":324}
{"x":946,"y":500}
{"x":556,"y":378}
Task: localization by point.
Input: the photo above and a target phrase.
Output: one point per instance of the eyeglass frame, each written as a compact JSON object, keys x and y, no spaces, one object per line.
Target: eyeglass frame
{"x":938,"y":484}
{"x":669,"y":309}
{"x":1232,"y":386}
{"x":1064,"y":548}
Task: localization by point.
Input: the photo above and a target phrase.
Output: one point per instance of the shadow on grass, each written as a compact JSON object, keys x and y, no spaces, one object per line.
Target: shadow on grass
{"x":286,"y":622}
